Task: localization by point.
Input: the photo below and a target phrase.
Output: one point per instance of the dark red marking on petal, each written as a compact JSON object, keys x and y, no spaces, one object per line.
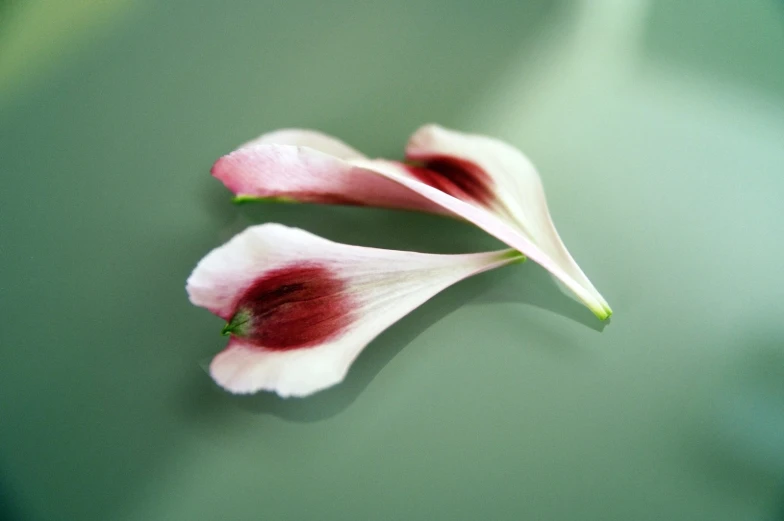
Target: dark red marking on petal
{"x":300,"y":305}
{"x":457,"y":177}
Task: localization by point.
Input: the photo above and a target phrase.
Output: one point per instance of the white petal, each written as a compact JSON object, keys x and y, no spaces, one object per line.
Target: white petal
{"x":380,"y":287}
{"x":518,"y":188}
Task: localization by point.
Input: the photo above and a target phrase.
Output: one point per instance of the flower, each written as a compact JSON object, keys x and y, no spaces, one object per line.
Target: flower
{"x":300,"y":308}
{"x":476,"y":178}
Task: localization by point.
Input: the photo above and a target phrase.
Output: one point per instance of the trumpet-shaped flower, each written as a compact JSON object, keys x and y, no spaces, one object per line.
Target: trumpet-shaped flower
{"x":476,"y":178}
{"x":300,"y":308}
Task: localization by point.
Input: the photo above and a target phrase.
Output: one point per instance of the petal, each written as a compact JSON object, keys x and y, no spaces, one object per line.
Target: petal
{"x":304,"y":307}
{"x":292,"y":173}
{"x":311,"y":139}
{"x":516,"y":189}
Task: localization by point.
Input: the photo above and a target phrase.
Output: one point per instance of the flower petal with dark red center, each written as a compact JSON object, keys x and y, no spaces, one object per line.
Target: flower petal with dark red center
{"x":300,"y":308}
{"x":520,"y":197}
{"x":296,"y":173}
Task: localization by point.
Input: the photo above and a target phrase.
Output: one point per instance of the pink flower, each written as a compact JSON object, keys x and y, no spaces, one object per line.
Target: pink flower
{"x":476,"y":178}
{"x":300,"y":308}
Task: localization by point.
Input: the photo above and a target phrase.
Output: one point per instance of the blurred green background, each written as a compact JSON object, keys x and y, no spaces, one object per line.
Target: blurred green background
{"x":658,"y":127}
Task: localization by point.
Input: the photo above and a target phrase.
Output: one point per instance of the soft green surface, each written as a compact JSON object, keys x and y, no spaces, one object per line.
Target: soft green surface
{"x":660,"y":137}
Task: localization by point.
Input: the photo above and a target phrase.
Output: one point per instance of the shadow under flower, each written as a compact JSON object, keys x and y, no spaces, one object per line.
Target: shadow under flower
{"x":531,"y":284}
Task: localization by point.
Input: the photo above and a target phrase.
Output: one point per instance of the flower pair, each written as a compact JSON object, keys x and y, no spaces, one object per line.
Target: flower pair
{"x":300,"y":308}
